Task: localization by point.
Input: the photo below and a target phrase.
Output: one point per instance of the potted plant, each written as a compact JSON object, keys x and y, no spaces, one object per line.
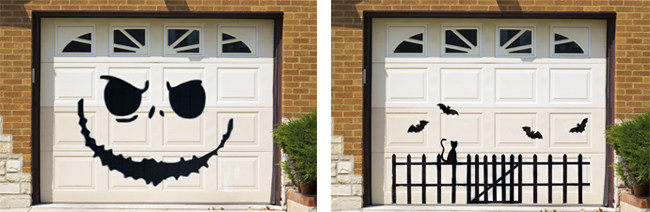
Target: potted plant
{"x":631,"y":141}
{"x":297,"y":138}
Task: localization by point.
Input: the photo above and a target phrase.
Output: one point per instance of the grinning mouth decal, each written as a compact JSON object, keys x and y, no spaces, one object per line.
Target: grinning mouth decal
{"x":150,"y":170}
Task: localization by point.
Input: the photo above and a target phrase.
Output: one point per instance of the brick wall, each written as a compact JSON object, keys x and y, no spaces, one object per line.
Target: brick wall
{"x":299,"y":52}
{"x":632,"y":53}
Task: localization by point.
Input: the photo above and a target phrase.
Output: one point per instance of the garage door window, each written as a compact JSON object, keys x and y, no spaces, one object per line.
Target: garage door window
{"x":515,"y":41}
{"x":183,"y":41}
{"x":237,"y":40}
{"x":407,"y":40}
{"x":461,"y":40}
{"x":570,"y":40}
{"x":129,"y":40}
{"x":76,"y":40}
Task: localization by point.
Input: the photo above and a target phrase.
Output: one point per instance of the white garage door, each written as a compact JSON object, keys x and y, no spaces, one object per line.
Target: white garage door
{"x":127,"y":71}
{"x":500,"y":75}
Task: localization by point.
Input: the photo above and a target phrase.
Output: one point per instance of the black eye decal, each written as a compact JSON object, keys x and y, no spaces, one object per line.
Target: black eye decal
{"x":121,"y":97}
{"x":187,"y":99}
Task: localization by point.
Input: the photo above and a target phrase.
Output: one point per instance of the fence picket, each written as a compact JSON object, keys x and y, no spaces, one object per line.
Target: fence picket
{"x":550,"y":178}
{"x":485,"y":177}
{"x":424,"y":179}
{"x":564,"y":178}
{"x":512,"y":179}
{"x":503,"y":176}
{"x":579,"y":178}
{"x":469,"y":178}
{"x":494,"y":177}
{"x":535,"y":178}
{"x":408,"y":179}
{"x":394,"y":187}
{"x":476,"y":180}
{"x":519,"y":180}
{"x":453,"y":182}
{"x":439,"y":176}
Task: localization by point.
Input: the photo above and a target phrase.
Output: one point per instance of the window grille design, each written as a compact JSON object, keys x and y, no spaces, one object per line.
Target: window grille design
{"x":182,"y":41}
{"x":411,"y":45}
{"x":237,"y":40}
{"x":570,"y":41}
{"x":129,"y":40}
{"x":75,"y":40}
{"x":461,"y":41}
{"x":406,"y":40}
{"x":516,"y":41}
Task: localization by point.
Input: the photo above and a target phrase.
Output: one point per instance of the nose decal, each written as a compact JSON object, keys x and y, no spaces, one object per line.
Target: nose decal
{"x":153,"y":108}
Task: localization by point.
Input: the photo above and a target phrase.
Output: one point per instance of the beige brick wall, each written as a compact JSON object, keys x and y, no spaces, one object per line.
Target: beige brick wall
{"x":632,"y":80}
{"x":299,"y":52}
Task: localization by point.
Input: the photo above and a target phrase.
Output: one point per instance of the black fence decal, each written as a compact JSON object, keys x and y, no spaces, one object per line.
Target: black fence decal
{"x":508,"y":170}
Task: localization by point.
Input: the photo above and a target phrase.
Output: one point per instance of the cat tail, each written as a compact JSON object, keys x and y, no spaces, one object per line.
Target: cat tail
{"x":442,"y":155}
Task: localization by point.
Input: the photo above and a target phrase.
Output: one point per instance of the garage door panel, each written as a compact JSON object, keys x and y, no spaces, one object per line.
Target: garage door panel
{"x":461,"y":85}
{"x":61,"y":130}
{"x":135,"y":133}
{"x":83,"y":78}
{"x":74,"y":173}
{"x":397,"y":139}
{"x":516,"y":85}
{"x":238,"y":85}
{"x":468,"y":129}
{"x":570,"y":85}
{"x":252,"y":130}
{"x":509,"y":130}
{"x":181,"y":132}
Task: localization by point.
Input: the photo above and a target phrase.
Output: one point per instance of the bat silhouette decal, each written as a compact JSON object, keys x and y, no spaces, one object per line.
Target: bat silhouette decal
{"x":150,"y":170}
{"x":418,"y":128}
{"x":447,"y":110}
{"x":531,"y":134}
{"x":579,"y":127}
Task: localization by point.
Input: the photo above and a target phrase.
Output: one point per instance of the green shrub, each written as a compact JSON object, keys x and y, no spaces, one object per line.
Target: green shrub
{"x":297,"y":138}
{"x":631,"y":140}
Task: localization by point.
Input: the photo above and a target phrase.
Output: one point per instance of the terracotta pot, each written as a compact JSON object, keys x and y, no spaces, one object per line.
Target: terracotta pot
{"x":640,"y":190}
{"x":308,"y":188}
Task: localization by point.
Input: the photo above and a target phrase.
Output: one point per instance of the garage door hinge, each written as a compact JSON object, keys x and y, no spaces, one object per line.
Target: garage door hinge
{"x":33,"y":78}
{"x":364,"y":76}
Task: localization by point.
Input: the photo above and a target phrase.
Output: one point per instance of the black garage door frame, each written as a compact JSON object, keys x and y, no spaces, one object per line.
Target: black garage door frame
{"x":277,"y":17}
{"x":368,"y":16}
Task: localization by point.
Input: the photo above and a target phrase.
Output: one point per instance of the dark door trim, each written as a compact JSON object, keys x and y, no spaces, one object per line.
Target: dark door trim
{"x":278,"y":18}
{"x":367,"y":66}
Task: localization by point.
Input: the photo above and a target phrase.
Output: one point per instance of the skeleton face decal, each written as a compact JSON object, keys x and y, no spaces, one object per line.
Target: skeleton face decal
{"x":123,"y":99}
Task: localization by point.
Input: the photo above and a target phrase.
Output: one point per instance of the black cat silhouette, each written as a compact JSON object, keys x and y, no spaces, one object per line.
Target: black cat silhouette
{"x":451,"y":156}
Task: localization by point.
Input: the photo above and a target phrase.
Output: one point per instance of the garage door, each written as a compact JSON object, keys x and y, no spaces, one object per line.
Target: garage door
{"x":499,"y":75}
{"x":160,"y":91}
